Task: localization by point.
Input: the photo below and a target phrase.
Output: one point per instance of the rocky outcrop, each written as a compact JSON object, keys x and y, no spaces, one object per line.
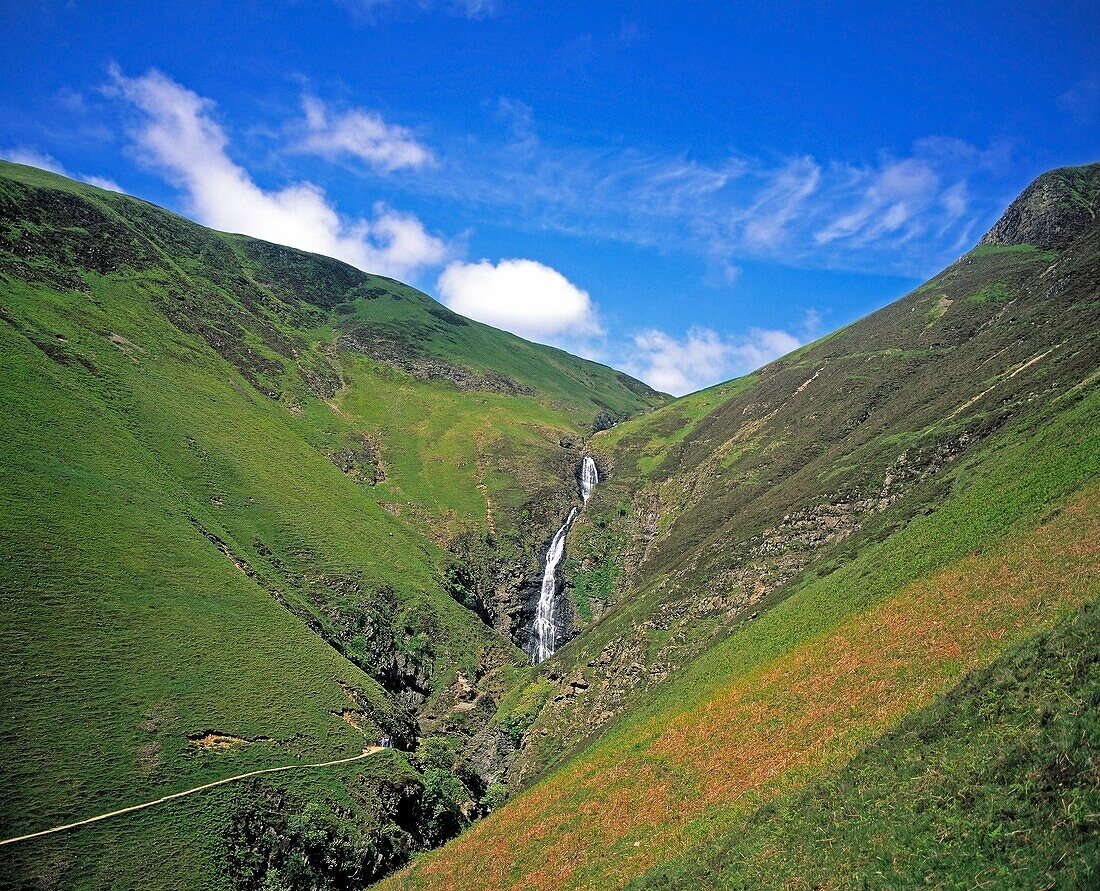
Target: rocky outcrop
{"x":1052,"y":211}
{"x":361,"y":459}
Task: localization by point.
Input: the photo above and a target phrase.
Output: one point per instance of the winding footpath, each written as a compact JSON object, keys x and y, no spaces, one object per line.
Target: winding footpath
{"x":137,"y":807}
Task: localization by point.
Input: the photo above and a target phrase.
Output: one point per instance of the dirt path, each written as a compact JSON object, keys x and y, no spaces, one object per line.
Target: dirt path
{"x":138,"y":807}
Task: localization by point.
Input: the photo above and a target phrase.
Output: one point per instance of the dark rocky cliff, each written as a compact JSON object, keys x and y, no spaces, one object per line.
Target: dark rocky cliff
{"x":1052,"y":211}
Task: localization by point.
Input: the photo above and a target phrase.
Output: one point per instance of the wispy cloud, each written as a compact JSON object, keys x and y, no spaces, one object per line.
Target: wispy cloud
{"x":801,"y":210}
{"x":176,"y":133}
{"x":359,"y":134}
{"x":370,"y":10}
{"x":766,"y":223}
{"x":34,"y":158}
{"x":887,"y":200}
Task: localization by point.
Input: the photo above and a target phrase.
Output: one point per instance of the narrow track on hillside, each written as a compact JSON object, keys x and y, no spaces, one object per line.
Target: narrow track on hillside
{"x":138,"y":807}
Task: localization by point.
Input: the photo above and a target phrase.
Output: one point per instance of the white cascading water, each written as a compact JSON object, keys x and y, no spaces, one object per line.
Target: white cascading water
{"x":589,"y":477}
{"x":545,"y":630}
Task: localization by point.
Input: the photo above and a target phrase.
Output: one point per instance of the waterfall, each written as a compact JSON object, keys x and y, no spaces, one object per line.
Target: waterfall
{"x":589,"y":477}
{"x":545,"y":630}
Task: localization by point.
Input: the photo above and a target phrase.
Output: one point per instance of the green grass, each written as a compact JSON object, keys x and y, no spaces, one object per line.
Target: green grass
{"x":655,"y":435}
{"x":180,"y":551}
{"x":994,"y":293}
{"x":1025,"y":252}
{"x":996,"y":783}
{"x":650,"y":778}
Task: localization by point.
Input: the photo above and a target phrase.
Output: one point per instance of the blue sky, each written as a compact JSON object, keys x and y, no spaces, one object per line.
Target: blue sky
{"x":683,"y":190}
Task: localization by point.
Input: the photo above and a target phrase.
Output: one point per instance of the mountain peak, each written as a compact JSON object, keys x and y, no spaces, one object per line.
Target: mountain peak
{"x":1052,"y":211}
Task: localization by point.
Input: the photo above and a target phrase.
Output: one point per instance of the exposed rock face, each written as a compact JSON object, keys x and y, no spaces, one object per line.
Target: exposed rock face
{"x":500,"y":579}
{"x":361,"y":459}
{"x":498,"y":573}
{"x":1053,"y":210}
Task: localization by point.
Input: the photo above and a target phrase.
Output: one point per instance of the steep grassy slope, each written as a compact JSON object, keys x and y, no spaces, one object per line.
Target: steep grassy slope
{"x":715,"y":506}
{"x":996,"y":783}
{"x":797,"y":693}
{"x":238,"y":480}
{"x":781,"y":568}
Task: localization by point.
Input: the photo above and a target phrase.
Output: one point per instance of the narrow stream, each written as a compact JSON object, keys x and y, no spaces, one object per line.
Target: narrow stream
{"x":545,"y":629}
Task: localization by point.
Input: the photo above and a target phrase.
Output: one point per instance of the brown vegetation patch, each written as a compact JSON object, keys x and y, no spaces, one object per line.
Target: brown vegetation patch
{"x":352,"y":717}
{"x":213,"y":741}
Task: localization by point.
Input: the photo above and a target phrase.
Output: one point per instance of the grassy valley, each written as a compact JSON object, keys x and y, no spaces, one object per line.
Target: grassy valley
{"x":781,"y":569}
{"x":832,"y":624}
{"x":235,"y":499}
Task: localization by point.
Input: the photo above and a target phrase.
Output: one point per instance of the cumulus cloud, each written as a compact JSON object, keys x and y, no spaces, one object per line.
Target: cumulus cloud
{"x":34,"y":158}
{"x":178,"y":135}
{"x":358,"y":133}
{"x":703,"y":357}
{"x":521,"y":296}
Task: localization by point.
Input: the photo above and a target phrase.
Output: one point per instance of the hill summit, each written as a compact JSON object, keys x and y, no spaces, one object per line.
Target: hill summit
{"x":1057,"y":207}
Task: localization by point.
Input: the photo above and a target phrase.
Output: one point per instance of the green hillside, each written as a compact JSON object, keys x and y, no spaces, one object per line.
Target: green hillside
{"x":830,"y":624}
{"x":781,"y":569}
{"x":238,"y":482}
{"x":717,"y":505}
{"x":995,"y":783}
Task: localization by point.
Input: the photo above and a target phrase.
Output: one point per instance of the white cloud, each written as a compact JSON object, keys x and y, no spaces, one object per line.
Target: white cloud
{"x":361,"y":134}
{"x":521,"y":296}
{"x":703,"y":357}
{"x":887,"y":200}
{"x":34,"y":158}
{"x":778,"y":204}
{"x":179,"y":136}
{"x":102,"y":182}
{"x":901,"y":213}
